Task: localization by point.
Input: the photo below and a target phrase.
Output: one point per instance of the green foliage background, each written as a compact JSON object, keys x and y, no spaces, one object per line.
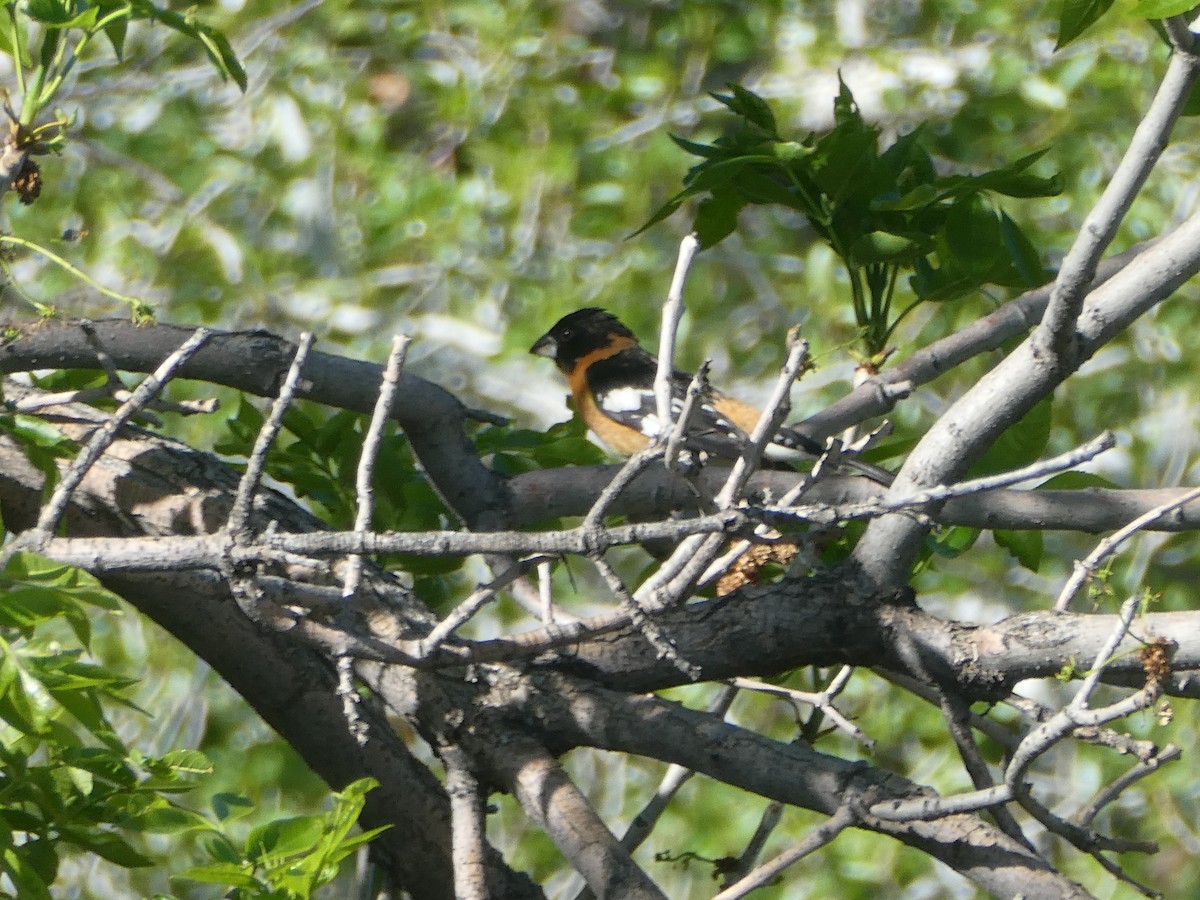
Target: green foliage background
{"x":467,"y":172}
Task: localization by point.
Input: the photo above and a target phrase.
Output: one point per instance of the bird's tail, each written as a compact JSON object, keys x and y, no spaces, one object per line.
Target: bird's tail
{"x":791,"y":439}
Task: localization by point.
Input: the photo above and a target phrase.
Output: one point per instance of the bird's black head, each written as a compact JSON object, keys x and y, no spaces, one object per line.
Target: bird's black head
{"x":577,"y":334}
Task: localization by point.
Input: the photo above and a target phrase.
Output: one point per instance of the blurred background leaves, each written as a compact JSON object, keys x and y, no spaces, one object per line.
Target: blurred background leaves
{"x":468,"y":171}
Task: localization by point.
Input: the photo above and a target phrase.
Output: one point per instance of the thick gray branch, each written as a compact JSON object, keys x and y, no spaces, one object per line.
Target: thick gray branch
{"x":1014,"y":386}
{"x":256,"y":362}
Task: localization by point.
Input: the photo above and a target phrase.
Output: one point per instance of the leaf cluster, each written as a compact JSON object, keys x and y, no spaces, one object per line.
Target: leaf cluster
{"x":66,"y":778}
{"x":881,"y":212}
{"x":47,"y":37}
{"x":68,"y":781}
{"x":287,"y":858}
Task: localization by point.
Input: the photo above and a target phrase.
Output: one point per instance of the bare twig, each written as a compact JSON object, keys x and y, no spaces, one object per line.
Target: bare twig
{"x":820,"y":837}
{"x":677,"y":577}
{"x":556,"y":805}
{"x":348,"y":693}
{"x":914,"y":499}
{"x":632,"y":468}
{"x":822,"y":700}
{"x":774,"y":412}
{"x":103,"y":437}
{"x":545,"y":575}
{"x":467,"y":827}
{"x":1086,"y":568}
{"x":472,"y":604}
{"x":364,"y":477}
{"x":692,"y":400}
{"x":1135,"y":773}
{"x":676,"y":776}
{"x":767,"y":823}
{"x":239,"y":513}
{"x":659,"y":640}
{"x":1077,"y":712}
{"x":673,"y":779}
{"x":672,"y":313}
{"x":1057,"y":331}
{"x":1037,"y":742}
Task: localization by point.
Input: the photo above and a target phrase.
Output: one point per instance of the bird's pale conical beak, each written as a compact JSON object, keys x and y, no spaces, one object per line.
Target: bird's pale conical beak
{"x":545,"y":346}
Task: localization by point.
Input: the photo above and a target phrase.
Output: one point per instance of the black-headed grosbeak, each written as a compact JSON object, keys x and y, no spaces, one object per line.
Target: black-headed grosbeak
{"x":612,"y":380}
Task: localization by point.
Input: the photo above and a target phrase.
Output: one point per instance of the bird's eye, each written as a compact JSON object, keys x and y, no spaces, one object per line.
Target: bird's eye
{"x":567,"y":334}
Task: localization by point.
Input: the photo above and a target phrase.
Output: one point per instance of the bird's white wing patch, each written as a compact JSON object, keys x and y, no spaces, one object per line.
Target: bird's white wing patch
{"x":633,"y":407}
{"x":626,"y":399}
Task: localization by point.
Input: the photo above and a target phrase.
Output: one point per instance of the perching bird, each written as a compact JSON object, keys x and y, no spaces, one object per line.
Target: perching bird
{"x":612,"y":380}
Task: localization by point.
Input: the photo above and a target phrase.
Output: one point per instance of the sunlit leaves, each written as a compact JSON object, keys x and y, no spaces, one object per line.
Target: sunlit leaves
{"x":291,"y":857}
{"x":1076,"y":16}
{"x":880,"y":212}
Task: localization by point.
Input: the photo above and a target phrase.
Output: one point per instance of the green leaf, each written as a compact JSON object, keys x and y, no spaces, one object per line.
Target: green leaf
{"x":708,"y":151}
{"x":186,"y":762}
{"x":42,"y":857}
{"x":750,"y":107}
{"x":1162,"y":9}
{"x":228,"y":807}
{"x":1021,"y":252}
{"x":1025,"y":546}
{"x":25,"y":876}
{"x":1075,"y":481}
{"x":283,"y":837}
{"x":1076,"y":17}
{"x":939,"y":285}
{"x":952,"y":542}
{"x":215,"y":44}
{"x":920,"y":196}
{"x":49,"y":12}
{"x":845,"y":109}
{"x":973,"y":234}
{"x":663,"y":212}
{"x":1019,"y":445}
{"x":107,"y":845}
{"x":717,"y":217}
{"x":232,"y":874}
{"x":881,"y":246}
{"x":115,"y":29}
{"x":351,"y":844}
{"x":166,"y":819}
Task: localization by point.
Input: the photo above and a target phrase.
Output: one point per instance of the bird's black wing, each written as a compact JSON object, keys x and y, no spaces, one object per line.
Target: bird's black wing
{"x":623,"y":388}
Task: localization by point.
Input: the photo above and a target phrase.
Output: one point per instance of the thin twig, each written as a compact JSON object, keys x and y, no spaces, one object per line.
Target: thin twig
{"x":633,"y":467}
{"x":646,"y":626}
{"x":364,"y":477}
{"x":111,"y":376}
{"x":468,"y":829}
{"x":822,"y":700}
{"x":937,"y":494}
{"x":692,"y":401}
{"x":1132,"y":775}
{"x":103,"y":436}
{"x":1149,"y":139}
{"x":348,"y":693}
{"x":545,"y":574}
{"x":1077,"y":712}
{"x":239,"y":513}
{"x":472,"y":604}
{"x":767,"y":823}
{"x":774,"y":412}
{"x":1086,"y":568}
{"x":764,"y":874}
{"x":674,"y":778}
{"x":677,"y":577}
{"x":672,"y":313}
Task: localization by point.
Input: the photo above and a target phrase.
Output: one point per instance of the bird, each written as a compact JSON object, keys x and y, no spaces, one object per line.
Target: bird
{"x":611,"y":377}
